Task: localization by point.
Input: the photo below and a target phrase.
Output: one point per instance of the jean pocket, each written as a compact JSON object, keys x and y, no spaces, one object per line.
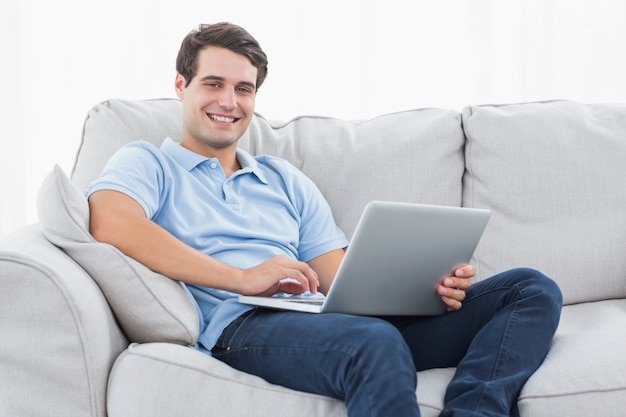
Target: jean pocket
{"x":224,"y":342}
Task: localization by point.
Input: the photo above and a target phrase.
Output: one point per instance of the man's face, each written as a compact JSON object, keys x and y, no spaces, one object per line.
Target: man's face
{"x":218,"y":103}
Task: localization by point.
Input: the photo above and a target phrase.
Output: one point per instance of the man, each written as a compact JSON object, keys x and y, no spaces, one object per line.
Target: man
{"x":207,"y":213}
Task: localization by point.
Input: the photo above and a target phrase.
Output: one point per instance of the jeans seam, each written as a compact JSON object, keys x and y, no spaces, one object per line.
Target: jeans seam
{"x":503,"y":346}
{"x":506,"y":337}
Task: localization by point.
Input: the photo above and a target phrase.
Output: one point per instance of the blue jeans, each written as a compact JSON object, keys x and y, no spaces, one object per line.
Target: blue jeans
{"x":496,"y":341}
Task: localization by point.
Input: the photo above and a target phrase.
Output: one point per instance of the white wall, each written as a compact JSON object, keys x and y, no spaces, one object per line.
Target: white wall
{"x":344,"y":58}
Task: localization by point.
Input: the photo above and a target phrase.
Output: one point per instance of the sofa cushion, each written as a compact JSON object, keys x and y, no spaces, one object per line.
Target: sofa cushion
{"x":150,"y":307}
{"x":583,"y":373}
{"x":136,"y":385}
{"x":578,"y":377}
{"x":552,"y":173}
{"x":113,"y":123}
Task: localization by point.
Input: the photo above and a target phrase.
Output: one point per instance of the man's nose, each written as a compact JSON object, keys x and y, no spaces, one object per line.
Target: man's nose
{"x":228,"y":99}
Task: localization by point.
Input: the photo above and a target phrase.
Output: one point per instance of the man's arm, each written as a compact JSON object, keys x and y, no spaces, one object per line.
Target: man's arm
{"x":119,"y":220}
{"x":326,"y":267}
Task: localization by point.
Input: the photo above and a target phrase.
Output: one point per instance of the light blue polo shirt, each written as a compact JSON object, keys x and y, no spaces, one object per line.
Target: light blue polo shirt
{"x":266,"y":208}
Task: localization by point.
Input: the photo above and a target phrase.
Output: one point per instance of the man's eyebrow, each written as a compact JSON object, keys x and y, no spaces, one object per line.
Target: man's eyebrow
{"x":219,"y":78}
{"x":212,"y":77}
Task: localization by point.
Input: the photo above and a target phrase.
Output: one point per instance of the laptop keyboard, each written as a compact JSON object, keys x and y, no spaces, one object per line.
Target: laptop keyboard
{"x":316,"y":302}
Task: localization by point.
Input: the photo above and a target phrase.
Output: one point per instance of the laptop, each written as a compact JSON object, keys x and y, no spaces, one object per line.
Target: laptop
{"x":398,"y":255}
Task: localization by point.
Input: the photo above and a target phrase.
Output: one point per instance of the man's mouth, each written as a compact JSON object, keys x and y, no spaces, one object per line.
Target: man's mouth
{"x":222,"y":119}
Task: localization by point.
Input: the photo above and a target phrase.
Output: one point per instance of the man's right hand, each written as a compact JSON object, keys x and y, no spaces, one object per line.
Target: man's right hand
{"x":280,"y":274}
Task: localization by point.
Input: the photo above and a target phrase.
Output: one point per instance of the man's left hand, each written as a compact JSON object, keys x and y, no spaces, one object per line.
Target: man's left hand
{"x":453,"y":288}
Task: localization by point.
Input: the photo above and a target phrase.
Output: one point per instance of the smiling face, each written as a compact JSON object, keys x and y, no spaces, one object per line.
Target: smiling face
{"x":218,"y":103}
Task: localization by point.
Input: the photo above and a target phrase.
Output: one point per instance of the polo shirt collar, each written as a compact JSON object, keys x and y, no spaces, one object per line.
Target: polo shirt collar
{"x":248,"y":163}
{"x":189,"y":160}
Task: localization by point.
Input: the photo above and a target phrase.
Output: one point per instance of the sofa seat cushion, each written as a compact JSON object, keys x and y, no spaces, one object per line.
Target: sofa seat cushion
{"x":552,"y":174}
{"x":150,"y":307}
{"x":584,"y":372}
{"x":196,"y":383}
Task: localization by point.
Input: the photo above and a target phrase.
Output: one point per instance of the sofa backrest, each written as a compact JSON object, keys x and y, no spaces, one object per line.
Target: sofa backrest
{"x":412,"y":156}
{"x":553,"y":175}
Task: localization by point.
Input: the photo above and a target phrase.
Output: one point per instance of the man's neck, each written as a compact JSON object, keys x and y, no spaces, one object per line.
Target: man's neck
{"x":231,"y":166}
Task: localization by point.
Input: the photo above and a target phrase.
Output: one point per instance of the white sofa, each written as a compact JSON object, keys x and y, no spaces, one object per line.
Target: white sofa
{"x":89,"y":332}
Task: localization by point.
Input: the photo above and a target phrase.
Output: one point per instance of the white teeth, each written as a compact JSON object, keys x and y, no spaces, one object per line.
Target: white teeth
{"x":222,"y":118}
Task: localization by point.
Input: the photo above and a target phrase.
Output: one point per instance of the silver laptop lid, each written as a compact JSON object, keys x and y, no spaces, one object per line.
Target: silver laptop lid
{"x":398,"y":255}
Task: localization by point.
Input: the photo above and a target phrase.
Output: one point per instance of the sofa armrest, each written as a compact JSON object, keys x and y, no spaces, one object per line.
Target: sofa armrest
{"x":55,"y":353}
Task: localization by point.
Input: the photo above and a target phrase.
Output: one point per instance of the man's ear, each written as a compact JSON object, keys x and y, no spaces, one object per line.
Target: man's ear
{"x":179,"y":85}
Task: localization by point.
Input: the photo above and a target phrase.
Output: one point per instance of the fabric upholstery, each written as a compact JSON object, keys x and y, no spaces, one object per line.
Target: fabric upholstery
{"x":59,"y":338}
{"x":197,"y":383}
{"x":565,"y":385}
{"x":149,"y":306}
{"x":552,"y":174}
{"x":583,"y":373}
{"x":136,"y":383}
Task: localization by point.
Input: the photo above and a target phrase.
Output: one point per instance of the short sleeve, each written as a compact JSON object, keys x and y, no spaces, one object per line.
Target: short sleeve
{"x":137,"y":171}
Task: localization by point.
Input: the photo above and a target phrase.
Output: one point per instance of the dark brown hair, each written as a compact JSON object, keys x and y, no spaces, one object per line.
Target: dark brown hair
{"x":223,"y":35}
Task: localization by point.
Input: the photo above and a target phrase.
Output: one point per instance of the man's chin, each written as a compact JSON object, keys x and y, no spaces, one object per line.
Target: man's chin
{"x":223,"y":144}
